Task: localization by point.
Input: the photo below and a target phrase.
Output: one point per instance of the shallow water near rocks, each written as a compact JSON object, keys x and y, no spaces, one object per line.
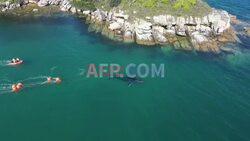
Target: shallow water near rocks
{"x":202,"y":97}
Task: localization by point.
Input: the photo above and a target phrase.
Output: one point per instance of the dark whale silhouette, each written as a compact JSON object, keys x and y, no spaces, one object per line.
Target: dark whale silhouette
{"x":130,"y":80}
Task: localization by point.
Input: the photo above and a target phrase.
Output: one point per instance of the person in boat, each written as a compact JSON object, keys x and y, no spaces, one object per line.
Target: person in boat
{"x":49,"y":79}
{"x":58,"y":79}
{"x":13,"y":60}
{"x":17,"y":87}
{"x":14,"y":88}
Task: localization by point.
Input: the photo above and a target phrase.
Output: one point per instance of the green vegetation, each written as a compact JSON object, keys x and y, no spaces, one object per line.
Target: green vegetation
{"x":177,"y":4}
{"x":148,"y":7}
{"x":84,"y":4}
{"x":185,"y":4}
{"x":16,"y":1}
{"x":114,"y":3}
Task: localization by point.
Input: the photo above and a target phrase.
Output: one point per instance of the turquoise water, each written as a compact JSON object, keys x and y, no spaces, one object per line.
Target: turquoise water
{"x":202,"y":98}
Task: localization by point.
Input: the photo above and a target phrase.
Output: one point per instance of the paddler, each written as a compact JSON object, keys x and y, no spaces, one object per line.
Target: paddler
{"x":14,"y":88}
{"x":49,"y":79}
{"x":58,"y":79}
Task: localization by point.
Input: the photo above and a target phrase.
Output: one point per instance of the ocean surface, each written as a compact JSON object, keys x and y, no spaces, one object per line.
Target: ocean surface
{"x":203,"y":97}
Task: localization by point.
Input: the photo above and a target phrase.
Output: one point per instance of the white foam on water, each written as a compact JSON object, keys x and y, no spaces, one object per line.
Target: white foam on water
{"x":4,"y":62}
{"x":5,"y":88}
{"x":34,"y":81}
{"x":5,"y":92}
{"x":6,"y":85}
{"x":30,"y":79}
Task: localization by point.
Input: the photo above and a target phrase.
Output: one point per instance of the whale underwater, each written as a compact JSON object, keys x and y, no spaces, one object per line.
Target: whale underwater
{"x":130,"y":80}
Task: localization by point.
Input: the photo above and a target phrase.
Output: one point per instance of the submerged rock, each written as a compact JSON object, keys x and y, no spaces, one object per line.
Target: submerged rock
{"x":228,"y":35}
{"x":184,"y":43}
{"x":227,"y":50}
{"x":247,"y":30}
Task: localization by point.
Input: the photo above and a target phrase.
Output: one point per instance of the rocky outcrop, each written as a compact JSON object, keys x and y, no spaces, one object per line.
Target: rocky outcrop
{"x":158,"y":34}
{"x":8,"y":5}
{"x":220,"y":21}
{"x":86,"y":13}
{"x":189,"y":33}
{"x":143,"y":32}
{"x":63,"y":4}
{"x":42,"y":3}
{"x":228,"y":35}
{"x":202,"y":43}
{"x":234,"y":19}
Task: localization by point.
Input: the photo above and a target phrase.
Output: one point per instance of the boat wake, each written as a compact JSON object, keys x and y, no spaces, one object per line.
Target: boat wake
{"x":5,"y":88}
{"x":34,"y":81}
{"x":6,"y":85}
{"x":4,"y":63}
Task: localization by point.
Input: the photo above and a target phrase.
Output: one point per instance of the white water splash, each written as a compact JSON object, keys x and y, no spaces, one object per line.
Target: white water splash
{"x":4,"y":63}
{"x":6,"y":85}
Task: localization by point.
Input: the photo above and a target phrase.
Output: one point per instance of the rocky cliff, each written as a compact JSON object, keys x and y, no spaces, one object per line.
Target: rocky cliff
{"x":189,"y":33}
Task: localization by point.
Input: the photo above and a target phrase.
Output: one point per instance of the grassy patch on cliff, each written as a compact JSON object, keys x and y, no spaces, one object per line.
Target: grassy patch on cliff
{"x":84,"y":4}
{"x":176,"y":4}
{"x":142,"y":8}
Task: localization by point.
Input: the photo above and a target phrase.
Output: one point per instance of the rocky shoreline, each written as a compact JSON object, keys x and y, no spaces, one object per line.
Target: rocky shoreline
{"x":203,"y":34}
